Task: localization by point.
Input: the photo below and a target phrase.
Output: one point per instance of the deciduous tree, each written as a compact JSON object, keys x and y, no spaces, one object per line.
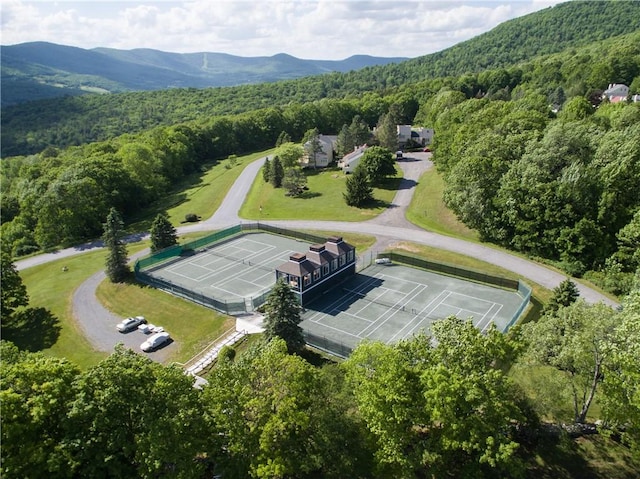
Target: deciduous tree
{"x":378,"y":163}
{"x":13,"y":293}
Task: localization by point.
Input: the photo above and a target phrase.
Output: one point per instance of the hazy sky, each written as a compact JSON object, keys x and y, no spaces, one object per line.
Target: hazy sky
{"x":313,"y":29}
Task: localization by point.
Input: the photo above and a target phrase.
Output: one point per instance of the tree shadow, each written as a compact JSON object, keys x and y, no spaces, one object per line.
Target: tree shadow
{"x":305,"y":195}
{"x":391,"y":184}
{"x":35,"y":329}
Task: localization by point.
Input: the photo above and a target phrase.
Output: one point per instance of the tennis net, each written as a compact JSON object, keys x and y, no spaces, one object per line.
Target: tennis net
{"x":248,"y":262}
{"x":398,"y":307}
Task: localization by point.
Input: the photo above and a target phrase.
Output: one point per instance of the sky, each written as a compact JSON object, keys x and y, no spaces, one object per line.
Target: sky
{"x":310,"y":29}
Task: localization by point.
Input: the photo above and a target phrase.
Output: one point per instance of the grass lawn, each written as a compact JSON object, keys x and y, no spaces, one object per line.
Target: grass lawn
{"x":192,"y":325}
{"x":49,"y":287}
{"x":199,"y":193}
{"x":428,"y":211}
{"x":323,"y":201}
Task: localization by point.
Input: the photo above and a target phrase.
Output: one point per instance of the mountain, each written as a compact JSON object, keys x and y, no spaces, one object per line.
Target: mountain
{"x":38,"y":70}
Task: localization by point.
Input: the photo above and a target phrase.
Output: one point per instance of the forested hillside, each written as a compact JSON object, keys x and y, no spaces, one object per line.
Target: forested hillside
{"x":32,"y":127}
{"x":38,"y":70}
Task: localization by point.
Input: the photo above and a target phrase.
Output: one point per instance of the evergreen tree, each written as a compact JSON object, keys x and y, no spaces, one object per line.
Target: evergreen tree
{"x":565,"y":294}
{"x":360,"y":132}
{"x":116,"y":265}
{"x":359,"y":190}
{"x":387,"y":131}
{"x":283,"y":138}
{"x":277,"y":173}
{"x":266,"y":171}
{"x":13,"y":292}
{"x":294,"y":181}
{"x":163,"y":234}
{"x":345,"y":141}
{"x":282,"y":312}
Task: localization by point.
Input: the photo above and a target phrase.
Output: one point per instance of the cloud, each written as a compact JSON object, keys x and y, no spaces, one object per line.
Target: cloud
{"x":319,"y":29}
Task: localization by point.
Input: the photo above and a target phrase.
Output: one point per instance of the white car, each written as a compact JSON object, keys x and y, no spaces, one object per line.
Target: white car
{"x":383,"y":261}
{"x":155,"y":341}
{"x":130,"y":324}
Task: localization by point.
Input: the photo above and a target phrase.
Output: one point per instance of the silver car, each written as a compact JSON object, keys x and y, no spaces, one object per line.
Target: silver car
{"x":130,"y":324}
{"x":155,"y":341}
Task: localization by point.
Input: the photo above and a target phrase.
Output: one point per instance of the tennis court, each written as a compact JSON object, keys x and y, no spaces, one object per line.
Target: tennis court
{"x":233,"y":271}
{"x":390,"y":302}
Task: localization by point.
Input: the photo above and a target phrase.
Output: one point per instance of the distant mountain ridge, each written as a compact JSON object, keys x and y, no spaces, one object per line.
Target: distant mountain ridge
{"x":38,"y":70}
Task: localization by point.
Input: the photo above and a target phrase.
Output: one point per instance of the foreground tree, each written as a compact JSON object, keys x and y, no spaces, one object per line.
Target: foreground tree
{"x":282,"y":316}
{"x":621,"y":385}
{"x":163,"y":233}
{"x":274,"y":415}
{"x":133,"y":417}
{"x":36,"y":392}
{"x":576,"y":340}
{"x":359,"y":191}
{"x":289,"y":154}
{"x":117,"y":268}
{"x":440,"y":411}
{"x":312,"y":146}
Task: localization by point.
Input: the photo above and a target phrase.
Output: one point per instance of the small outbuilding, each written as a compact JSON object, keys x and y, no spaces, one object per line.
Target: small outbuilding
{"x":320,"y":269}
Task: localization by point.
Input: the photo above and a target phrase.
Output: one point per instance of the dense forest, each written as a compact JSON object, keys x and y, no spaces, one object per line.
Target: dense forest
{"x":31,"y":127}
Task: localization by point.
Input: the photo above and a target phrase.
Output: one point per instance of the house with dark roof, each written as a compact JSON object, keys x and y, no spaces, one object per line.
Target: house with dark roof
{"x":319,"y":269}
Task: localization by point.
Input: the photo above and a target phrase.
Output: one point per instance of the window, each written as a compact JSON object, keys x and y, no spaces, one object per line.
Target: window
{"x":325,"y":269}
{"x":316,"y":274}
{"x":334,"y":264}
{"x":343,"y":259}
{"x":306,"y":279}
{"x":350,"y":255}
{"x":293,"y":282}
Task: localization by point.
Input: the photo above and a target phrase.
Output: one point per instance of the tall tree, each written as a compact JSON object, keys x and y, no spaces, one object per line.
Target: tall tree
{"x":387,"y":132}
{"x":133,"y":417}
{"x":277,"y":172}
{"x":289,"y":154}
{"x":36,"y":392}
{"x":117,"y":268}
{"x":359,"y":191}
{"x":163,"y":233}
{"x":282,"y":316}
{"x":433,"y":404}
{"x":312,"y":146}
{"x":345,"y":142}
{"x":576,"y":340}
{"x":13,"y":293}
{"x":266,"y":171}
{"x":283,"y":137}
{"x":621,"y":385}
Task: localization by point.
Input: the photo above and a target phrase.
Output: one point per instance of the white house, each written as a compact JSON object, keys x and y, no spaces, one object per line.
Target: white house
{"x":418,"y":134}
{"x":616,"y":90}
{"x":323,"y":157}
{"x":349,"y":161}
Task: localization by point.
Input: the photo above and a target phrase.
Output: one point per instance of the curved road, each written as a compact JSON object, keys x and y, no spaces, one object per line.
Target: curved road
{"x":389,"y":227}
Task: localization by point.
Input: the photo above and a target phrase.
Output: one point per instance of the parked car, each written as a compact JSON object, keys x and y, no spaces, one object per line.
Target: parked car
{"x":130,"y":324}
{"x":155,"y":341}
{"x":383,"y":261}
{"x":427,"y":150}
{"x":399,"y":154}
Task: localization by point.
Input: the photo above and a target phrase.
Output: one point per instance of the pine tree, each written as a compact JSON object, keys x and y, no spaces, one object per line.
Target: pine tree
{"x":359,"y":190}
{"x":565,"y":294}
{"x":116,"y":265}
{"x":163,"y":234}
{"x":282,"y":316}
{"x":277,"y":173}
{"x":283,"y":138}
{"x":266,"y":171}
{"x":13,"y":291}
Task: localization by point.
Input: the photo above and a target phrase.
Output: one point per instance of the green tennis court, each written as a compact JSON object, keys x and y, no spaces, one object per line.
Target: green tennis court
{"x":233,"y":270}
{"x":390,"y":302}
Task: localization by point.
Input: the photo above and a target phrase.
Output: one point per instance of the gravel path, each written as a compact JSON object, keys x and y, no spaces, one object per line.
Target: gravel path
{"x":389,"y":228}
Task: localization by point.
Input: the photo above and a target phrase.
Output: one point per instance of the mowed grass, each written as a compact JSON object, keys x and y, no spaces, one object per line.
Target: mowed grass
{"x":323,"y":200}
{"x":192,"y":326}
{"x":200,"y":193}
{"x":428,"y":211}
